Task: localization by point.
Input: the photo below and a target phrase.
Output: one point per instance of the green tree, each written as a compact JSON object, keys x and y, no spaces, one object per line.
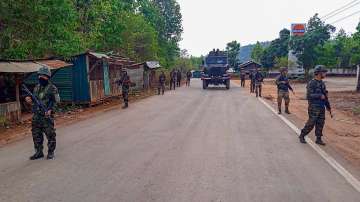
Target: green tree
{"x":233,"y":49}
{"x":305,"y":46}
{"x":257,"y":52}
{"x":278,"y":48}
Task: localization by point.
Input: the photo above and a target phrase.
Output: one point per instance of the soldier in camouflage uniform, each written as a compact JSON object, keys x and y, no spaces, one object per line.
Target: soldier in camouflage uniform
{"x":43,"y":122}
{"x":162,"y":80}
{"x":283,"y":86}
{"x":125,"y":83}
{"x":258,"y":79}
{"x":317,"y":96}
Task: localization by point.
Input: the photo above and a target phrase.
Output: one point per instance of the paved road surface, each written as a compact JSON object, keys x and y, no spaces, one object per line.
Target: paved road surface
{"x":190,"y":145}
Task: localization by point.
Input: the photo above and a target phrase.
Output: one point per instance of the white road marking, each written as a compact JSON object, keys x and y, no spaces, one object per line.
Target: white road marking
{"x":339,"y":168}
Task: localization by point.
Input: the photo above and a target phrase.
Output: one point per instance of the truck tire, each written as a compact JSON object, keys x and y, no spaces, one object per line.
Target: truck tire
{"x":205,"y":84}
{"x":227,"y":83}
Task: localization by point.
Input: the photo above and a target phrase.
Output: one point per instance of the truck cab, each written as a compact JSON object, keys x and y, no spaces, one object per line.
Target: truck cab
{"x":215,"y":67}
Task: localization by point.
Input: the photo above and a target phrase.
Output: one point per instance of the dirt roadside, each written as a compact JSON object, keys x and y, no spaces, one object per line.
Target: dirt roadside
{"x":16,"y":132}
{"x":342,"y":133}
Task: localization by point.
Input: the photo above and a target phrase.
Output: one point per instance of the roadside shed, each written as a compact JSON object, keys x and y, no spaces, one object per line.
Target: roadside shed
{"x":249,"y":66}
{"x":12,"y":73}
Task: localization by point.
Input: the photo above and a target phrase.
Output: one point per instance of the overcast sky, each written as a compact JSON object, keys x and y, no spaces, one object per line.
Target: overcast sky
{"x":211,"y":24}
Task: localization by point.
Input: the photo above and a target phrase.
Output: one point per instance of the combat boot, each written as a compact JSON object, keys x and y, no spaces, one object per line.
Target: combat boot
{"x":38,"y":155}
{"x":50,"y":155}
{"x":279,"y":111}
{"x":287,"y":111}
{"x":319,"y":141}
{"x":302,"y":139}
{"x":125,"y":106}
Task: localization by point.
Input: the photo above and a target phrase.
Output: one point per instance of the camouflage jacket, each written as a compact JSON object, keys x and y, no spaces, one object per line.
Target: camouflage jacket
{"x":316,"y":89}
{"x":47,"y":95}
{"x":283,"y":83}
{"x":162,"y":79}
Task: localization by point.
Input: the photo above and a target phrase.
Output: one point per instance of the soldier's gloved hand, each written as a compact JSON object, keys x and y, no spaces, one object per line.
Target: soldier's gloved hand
{"x":48,"y":113}
{"x":323,"y":97}
{"x":28,"y":100}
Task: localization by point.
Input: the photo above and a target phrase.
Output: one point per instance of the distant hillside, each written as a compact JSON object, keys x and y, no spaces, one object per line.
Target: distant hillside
{"x":245,"y":51}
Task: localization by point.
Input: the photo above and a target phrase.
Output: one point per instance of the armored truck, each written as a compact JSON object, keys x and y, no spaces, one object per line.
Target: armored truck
{"x":215,"y":67}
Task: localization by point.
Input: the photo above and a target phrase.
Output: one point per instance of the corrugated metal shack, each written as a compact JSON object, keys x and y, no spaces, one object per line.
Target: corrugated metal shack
{"x":14,"y":72}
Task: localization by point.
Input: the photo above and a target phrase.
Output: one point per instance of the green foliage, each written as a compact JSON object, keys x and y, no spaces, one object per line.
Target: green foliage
{"x":305,"y":47}
{"x":233,"y":49}
{"x":281,"y":62}
{"x":257,"y":52}
{"x":141,"y":29}
{"x":278,"y":48}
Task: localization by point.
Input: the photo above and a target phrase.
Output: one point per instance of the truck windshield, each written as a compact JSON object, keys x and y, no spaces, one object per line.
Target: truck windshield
{"x":216,"y":60}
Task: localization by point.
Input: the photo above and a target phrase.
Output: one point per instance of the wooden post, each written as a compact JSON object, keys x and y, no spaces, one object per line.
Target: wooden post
{"x":18,"y":113}
{"x":358,"y":79}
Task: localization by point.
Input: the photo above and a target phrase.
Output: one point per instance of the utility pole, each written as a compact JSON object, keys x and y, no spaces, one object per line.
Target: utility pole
{"x":358,"y":78}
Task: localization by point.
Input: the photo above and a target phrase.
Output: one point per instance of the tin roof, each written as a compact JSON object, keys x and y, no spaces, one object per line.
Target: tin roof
{"x":249,"y":63}
{"x":153,"y":64}
{"x":99,"y":55}
{"x":30,"y":66}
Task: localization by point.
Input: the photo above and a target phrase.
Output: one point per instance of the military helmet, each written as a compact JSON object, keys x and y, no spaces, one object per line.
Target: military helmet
{"x":123,"y":70}
{"x":319,"y":68}
{"x":44,"y":70}
{"x":283,"y":69}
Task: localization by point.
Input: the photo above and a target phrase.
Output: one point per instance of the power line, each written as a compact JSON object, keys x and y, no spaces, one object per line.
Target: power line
{"x":348,"y":4}
{"x":346,"y":17}
{"x":341,"y":11}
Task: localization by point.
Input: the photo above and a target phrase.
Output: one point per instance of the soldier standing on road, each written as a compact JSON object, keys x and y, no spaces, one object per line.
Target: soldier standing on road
{"x":317,"y":96}
{"x":43,"y":122}
{"x":242,"y":77}
{"x":252,"y":82}
{"x":283,"y":86}
{"x":259,"y":79}
{"x":173,"y":76}
{"x":178,"y":78}
{"x":162,"y":80}
{"x":188,"y":78}
{"x":125,"y":83}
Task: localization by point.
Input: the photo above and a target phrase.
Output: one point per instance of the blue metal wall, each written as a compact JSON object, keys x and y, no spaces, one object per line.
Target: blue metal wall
{"x":81,"y":88}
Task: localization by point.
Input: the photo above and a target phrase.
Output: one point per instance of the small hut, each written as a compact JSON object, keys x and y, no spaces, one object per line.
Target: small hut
{"x":12,"y":74}
{"x":249,"y":66}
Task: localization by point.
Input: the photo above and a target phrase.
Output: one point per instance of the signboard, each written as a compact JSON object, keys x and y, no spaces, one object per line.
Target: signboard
{"x":298,"y":29}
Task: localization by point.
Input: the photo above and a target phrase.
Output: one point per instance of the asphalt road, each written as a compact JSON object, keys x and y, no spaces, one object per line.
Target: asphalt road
{"x":189,"y":145}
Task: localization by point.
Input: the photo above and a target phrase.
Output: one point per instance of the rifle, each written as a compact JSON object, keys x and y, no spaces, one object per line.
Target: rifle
{"x":327,"y":103}
{"x":38,"y":103}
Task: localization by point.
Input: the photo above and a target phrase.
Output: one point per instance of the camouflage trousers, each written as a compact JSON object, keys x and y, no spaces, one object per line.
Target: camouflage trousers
{"x":316,"y":119}
{"x":172,"y":84}
{"x":125,"y":95}
{"x":242,"y":83}
{"x":258,"y":89}
{"x":283,"y":95}
{"x":161,"y":88}
{"x":43,"y":125}
{"x":252,"y":87}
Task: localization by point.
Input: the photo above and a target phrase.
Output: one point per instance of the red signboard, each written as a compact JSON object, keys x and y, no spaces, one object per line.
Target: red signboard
{"x":298,"y":29}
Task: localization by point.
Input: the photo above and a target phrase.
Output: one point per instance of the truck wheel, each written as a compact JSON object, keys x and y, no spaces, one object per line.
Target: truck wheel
{"x":205,"y":85}
{"x":228,"y":84}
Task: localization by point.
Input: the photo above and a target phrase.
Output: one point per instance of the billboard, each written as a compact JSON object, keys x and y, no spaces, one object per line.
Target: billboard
{"x":298,"y":29}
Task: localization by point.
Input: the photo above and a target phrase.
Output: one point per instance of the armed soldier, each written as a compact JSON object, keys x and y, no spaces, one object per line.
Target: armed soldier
{"x":283,"y":86}
{"x":162,"y":81}
{"x":259,"y":79}
{"x":188,"y":78}
{"x":43,"y":101}
{"x":125,"y":83}
{"x":242,"y":77}
{"x":173,"y":76}
{"x":317,"y":96}
{"x":178,"y":78}
{"x":252,"y":82}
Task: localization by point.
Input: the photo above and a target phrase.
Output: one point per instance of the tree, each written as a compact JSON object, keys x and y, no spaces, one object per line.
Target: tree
{"x":278,"y":48}
{"x":257,"y":52}
{"x":233,"y":49}
{"x":281,"y":62}
{"x":304,"y":47}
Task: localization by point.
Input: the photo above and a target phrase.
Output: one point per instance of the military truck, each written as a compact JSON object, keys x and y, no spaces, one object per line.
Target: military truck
{"x":215,"y":67}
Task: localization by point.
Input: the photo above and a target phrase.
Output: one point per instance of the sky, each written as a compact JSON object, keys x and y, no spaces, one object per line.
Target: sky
{"x":212,"y":24}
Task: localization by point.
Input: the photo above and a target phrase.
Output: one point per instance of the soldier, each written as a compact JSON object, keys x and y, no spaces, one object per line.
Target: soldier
{"x":252,"y":82}
{"x":43,"y":122}
{"x":125,"y":83}
{"x":173,"y":79}
{"x":259,"y":79}
{"x":188,"y":78}
{"x":162,"y":80}
{"x":283,"y":86}
{"x":317,"y":96}
{"x":178,"y":78}
{"x":242,"y":77}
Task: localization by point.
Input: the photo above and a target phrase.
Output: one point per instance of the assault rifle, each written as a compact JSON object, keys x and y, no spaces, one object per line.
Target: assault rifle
{"x":37,"y":102}
{"x":327,"y":103}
